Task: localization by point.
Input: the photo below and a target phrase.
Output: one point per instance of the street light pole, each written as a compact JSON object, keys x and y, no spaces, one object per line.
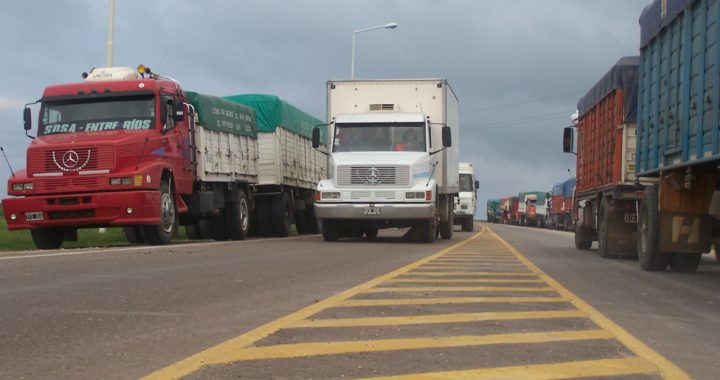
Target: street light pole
{"x":391,"y":25}
{"x":111,"y":27}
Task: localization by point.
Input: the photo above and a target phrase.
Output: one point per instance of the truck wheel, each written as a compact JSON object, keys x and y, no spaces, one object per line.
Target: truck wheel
{"x":330,"y":230}
{"x":281,"y":215}
{"x":48,"y":238}
{"x":263,"y":216}
{"x":300,"y":224}
{"x":133,"y":234}
{"x":685,"y":262}
{"x":311,"y":223}
{"x":371,"y":233}
{"x":237,"y":217}
{"x":603,"y":218}
{"x":582,"y":239}
{"x":162,"y":233}
{"x":649,"y":255}
{"x":446,"y":228}
{"x":427,"y":231}
{"x":468,"y":225}
{"x":190,"y":231}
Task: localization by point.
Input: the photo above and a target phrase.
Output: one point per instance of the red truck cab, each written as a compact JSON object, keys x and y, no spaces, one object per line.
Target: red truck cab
{"x":114,"y":150}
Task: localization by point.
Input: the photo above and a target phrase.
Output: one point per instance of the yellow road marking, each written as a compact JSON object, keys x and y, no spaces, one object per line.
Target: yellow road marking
{"x":667,"y":368}
{"x":445,"y":300}
{"x":214,"y":354}
{"x":460,"y":280}
{"x":473,"y":261}
{"x":438,"y":318}
{"x":476,"y":266}
{"x":568,"y":370}
{"x":295,"y":350}
{"x":443,"y":274}
{"x":458,"y":289}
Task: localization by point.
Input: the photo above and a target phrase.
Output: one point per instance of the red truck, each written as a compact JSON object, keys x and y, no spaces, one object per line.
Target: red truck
{"x":607,"y":191}
{"x":514,"y":213}
{"x":134,"y":150}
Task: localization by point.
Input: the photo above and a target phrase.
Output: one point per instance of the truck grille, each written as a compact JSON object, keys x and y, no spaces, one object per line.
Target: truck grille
{"x":71,"y":159}
{"x":373,"y":175}
{"x":70,"y":183}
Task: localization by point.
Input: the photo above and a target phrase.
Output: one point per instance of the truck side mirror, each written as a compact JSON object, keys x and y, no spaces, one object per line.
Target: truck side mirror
{"x":316,"y":137}
{"x":568,"y":137}
{"x":179,"y":112}
{"x":446,"y":137}
{"x":477,"y":184}
{"x":27,"y":118}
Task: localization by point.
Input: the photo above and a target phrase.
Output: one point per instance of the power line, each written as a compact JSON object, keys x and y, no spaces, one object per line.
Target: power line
{"x":523,"y":120}
{"x":521,"y":103}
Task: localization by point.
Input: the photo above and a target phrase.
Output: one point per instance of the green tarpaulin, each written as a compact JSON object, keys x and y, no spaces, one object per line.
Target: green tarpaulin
{"x":221,"y":115}
{"x":273,"y":112}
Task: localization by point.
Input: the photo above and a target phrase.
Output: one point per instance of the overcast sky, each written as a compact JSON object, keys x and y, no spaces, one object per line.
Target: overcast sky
{"x":518,"y":67}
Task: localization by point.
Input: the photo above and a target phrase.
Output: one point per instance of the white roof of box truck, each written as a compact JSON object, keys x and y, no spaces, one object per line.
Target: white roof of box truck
{"x":380,"y":117}
{"x":466,"y":168}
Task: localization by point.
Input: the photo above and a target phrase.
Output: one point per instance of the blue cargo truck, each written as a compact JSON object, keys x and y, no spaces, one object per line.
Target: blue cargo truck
{"x":678,"y":133}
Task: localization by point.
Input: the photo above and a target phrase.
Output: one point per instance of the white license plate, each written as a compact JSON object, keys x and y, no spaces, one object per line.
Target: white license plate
{"x":34,"y":216}
{"x":630,"y":217}
{"x":372,"y":211}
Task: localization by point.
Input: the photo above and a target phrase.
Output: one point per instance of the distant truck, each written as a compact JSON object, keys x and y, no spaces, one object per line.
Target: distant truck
{"x":505,"y":210}
{"x":466,"y":202}
{"x":532,"y":208}
{"x":607,"y":191}
{"x":134,"y":150}
{"x":559,"y":216}
{"x":493,"y":205}
{"x":514,"y":216}
{"x":678,"y":134}
{"x":393,"y":160}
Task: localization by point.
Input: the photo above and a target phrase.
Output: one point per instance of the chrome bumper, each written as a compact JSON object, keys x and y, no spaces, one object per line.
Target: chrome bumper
{"x":388,"y":211}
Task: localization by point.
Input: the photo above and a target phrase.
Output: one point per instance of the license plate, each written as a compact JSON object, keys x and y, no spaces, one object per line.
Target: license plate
{"x":34,"y":216}
{"x":630,"y":217}
{"x":372,"y":211}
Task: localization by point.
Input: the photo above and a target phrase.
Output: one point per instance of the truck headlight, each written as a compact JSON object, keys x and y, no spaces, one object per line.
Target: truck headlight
{"x":22,"y":186}
{"x":121,"y":181}
{"x":330,"y":195}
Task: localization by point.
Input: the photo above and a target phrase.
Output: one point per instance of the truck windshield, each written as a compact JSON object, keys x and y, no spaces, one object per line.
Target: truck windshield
{"x":105,"y":114}
{"x":377,"y":137}
{"x":466,"y":182}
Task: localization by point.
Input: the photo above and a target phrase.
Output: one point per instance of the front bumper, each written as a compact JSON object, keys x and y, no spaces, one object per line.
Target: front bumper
{"x":388,"y":211}
{"x":87,"y":209}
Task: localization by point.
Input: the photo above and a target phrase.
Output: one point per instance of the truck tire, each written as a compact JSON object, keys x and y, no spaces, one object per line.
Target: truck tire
{"x":603,"y":218}
{"x":282,"y":214}
{"x":311,"y":223}
{"x":583,"y":239}
{"x":133,"y":234}
{"x":685,"y":262}
{"x":446,"y":228}
{"x":468,"y":225}
{"x":263,"y":216}
{"x":300,"y":224}
{"x":649,"y":255}
{"x":48,"y":238}
{"x":237,"y":216}
{"x":163,"y":233}
{"x":427,"y":231}
{"x":330,"y":230}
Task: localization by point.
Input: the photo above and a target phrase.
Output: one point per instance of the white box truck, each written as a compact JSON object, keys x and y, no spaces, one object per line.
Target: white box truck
{"x":393,"y":159}
{"x":466,"y":202}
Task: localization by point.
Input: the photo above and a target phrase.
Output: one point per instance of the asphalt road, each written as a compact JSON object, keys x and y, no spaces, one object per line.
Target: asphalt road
{"x":303,"y":308}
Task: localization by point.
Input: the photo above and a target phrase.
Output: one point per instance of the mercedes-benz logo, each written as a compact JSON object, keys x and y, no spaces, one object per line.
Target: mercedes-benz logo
{"x":70,"y":159}
{"x":372,"y":176}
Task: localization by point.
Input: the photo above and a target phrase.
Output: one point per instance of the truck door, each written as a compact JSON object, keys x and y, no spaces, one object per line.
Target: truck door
{"x":175,"y":144}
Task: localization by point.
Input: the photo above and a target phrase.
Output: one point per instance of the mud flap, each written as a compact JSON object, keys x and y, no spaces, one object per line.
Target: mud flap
{"x":685,"y":233}
{"x":622,"y":233}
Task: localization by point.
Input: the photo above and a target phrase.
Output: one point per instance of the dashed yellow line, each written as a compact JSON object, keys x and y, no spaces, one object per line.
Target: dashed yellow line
{"x":451,"y":289}
{"x":467,"y":273}
{"x":466,"y":280}
{"x":569,"y":370}
{"x":438,"y":318}
{"x":445,"y":300}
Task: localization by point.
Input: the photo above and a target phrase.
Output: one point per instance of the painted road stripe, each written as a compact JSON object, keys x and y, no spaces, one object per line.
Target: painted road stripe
{"x":450,"y":274}
{"x":298,"y":350}
{"x":217,"y":353}
{"x":473,"y":261}
{"x":568,"y":370}
{"x":667,"y":368}
{"x":467,"y":280}
{"x":404,"y":289}
{"x":437,"y":318}
{"x":474,"y":266}
{"x":445,"y":300}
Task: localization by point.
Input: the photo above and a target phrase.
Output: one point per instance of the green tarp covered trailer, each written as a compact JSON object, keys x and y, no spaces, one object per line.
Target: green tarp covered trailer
{"x":222,"y":115}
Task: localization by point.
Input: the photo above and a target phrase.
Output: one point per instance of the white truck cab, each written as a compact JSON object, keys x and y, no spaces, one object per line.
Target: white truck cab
{"x":466,"y":202}
{"x":392,"y":163}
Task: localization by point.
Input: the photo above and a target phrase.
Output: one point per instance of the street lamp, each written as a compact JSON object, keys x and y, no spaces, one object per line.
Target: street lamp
{"x":391,"y":25}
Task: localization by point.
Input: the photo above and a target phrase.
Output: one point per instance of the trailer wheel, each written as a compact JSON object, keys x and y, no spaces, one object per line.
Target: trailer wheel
{"x":282,"y":215}
{"x":237,"y":215}
{"x":162,"y":233}
{"x":330,"y":230}
{"x":133,"y":234}
{"x":468,"y":224}
{"x":263,"y":216}
{"x":427,"y":231}
{"x":583,"y":240}
{"x":603,"y":218}
{"x":48,"y":238}
{"x":685,"y":262}
{"x":649,"y":255}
